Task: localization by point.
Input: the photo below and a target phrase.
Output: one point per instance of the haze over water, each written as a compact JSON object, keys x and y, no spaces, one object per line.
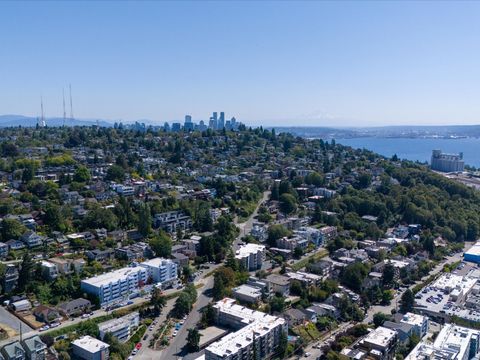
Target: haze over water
{"x":418,"y":149}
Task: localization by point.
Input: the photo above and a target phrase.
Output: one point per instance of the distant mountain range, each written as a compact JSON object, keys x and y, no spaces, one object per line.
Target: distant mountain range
{"x":446,"y":131}
{"x":28,"y":121}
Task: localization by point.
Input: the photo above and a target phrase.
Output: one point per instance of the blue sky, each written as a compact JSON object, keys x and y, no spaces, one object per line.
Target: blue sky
{"x":271,"y":63}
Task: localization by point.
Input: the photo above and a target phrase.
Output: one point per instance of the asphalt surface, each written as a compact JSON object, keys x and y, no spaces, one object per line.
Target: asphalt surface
{"x":7,"y":318}
{"x":176,"y":348}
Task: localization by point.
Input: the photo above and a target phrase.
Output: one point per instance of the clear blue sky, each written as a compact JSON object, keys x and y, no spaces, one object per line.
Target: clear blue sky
{"x":282,"y":63}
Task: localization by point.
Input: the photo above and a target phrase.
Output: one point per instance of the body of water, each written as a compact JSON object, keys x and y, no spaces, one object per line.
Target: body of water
{"x":418,"y":149}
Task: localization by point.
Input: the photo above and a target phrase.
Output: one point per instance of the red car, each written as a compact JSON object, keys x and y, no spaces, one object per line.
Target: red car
{"x":138,"y":346}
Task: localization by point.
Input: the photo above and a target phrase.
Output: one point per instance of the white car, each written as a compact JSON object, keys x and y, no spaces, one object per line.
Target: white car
{"x":175,"y":333}
{"x":44,"y":328}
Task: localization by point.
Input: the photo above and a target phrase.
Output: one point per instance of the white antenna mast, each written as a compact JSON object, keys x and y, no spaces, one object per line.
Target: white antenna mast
{"x":71,"y":104}
{"x":64,"y":111}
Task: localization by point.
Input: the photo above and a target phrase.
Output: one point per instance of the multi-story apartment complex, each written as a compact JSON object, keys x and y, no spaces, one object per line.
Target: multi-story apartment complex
{"x":453,"y":342}
{"x":251,"y":256}
{"x":172,"y":220}
{"x":447,"y":162}
{"x":116,"y":285}
{"x":121,"y":328}
{"x":377,"y":344}
{"x":121,"y":284}
{"x":254,"y":328}
{"x":162,"y":271}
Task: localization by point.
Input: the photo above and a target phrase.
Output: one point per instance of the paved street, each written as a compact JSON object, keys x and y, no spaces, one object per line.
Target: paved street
{"x":247,"y":226}
{"x":176,"y":347}
{"x":146,"y":353}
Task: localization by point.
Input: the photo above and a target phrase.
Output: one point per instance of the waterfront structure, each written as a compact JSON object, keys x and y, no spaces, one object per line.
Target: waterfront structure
{"x":253,"y":329}
{"x":447,"y":162}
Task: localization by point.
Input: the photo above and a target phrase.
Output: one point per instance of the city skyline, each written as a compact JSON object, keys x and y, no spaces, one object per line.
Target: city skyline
{"x":269,"y":63}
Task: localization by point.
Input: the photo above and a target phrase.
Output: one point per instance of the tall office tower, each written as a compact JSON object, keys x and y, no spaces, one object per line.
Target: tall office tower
{"x":212,"y":124}
{"x":215,"y":120}
{"x":221,"y":121}
{"x":188,"y":126}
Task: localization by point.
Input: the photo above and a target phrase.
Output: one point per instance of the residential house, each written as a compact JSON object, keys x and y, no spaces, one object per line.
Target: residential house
{"x":75,"y":307}
{"x":46,"y":314}
{"x":35,"y":348}
{"x":13,"y":351}
{"x":32,"y":239}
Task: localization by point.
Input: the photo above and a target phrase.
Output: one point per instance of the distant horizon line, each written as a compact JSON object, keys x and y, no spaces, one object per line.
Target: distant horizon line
{"x":161,"y":122}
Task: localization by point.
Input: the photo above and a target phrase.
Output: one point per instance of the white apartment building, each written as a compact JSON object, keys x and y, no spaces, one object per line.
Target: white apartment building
{"x":116,"y":285}
{"x":420,"y":323}
{"x":162,"y":271}
{"x":453,"y":342}
{"x":253,"y":327}
{"x":121,"y":328}
{"x":251,"y":256}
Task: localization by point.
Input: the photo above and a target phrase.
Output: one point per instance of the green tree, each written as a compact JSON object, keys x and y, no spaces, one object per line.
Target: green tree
{"x":388,"y":275}
{"x":407,"y":301}
{"x":161,"y":244}
{"x":277,"y":304}
{"x":25,"y":275}
{"x":379,"y":318}
{"x":223,"y":280}
{"x":12,"y":229}
{"x":314,"y":178}
{"x":115,"y":173}
{"x":81,"y":174}
{"x":53,"y":217}
{"x":288,"y":203}
{"x":276,"y":232}
{"x":183,"y":305}
{"x":144,"y":220}
{"x":99,"y":217}
{"x":231,"y":262}
{"x":208,"y":316}
{"x":193,"y":340}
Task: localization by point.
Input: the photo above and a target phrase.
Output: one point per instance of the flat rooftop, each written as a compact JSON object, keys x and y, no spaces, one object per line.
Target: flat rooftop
{"x":248,"y":290}
{"x":412,"y":319}
{"x":90,"y":344}
{"x":256,"y":323}
{"x":381,"y":336}
{"x":113,"y":276}
{"x":156,"y":262}
{"x":474,"y":250}
{"x":248,"y":249}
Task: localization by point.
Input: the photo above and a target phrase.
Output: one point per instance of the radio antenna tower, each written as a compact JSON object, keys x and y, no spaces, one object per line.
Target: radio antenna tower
{"x":42,"y":119}
{"x":64,"y":112}
{"x":71,"y":104}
